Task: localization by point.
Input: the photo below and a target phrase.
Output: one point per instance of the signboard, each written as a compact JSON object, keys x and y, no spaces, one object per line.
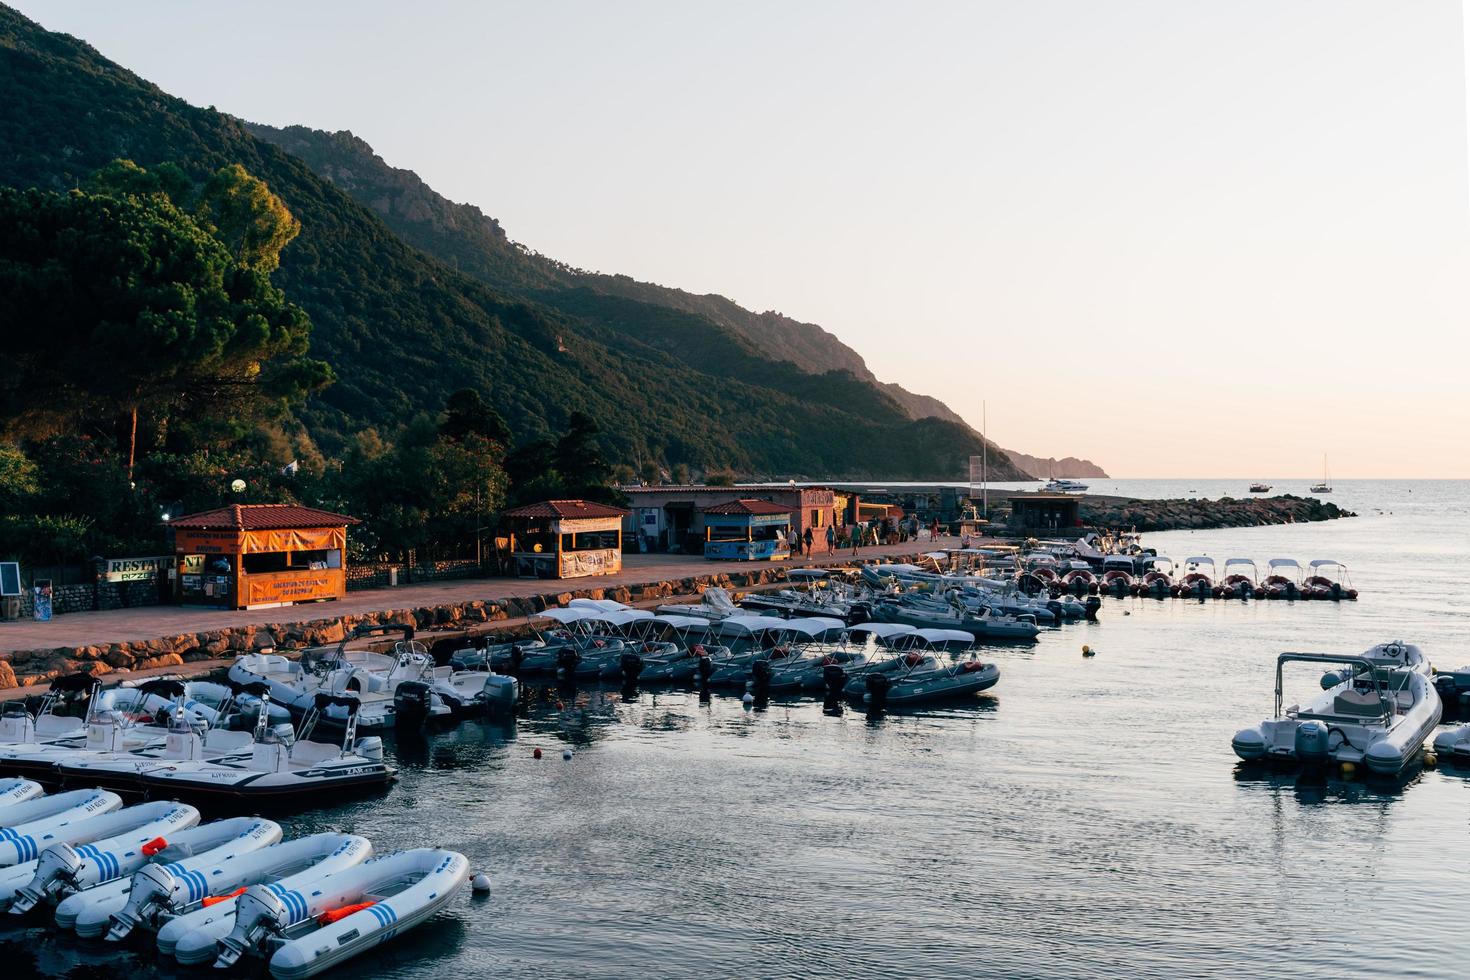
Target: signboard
{"x":579,"y":525}
{"x":41,"y":606}
{"x":9,"y":578}
{"x":292,"y":587}
{"x":136,"y":569}
{"x":601,"y":561}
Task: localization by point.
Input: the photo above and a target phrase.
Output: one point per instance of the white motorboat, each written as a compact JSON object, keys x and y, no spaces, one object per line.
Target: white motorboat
{"x":125,"y":771}
{"x":184,"y":857}
{"x":1062,"y":485}
{"x":474,"y":688}
{"x":116,"y":845}
{"x":917,"y":674}
{"x":371,"y":678}
{"x":109,"y":731}
{"x":279,"y":770}
{"x":19,"y":727}
{"x":673,"y":648}
{"x":1395,"y":655}
{"x":302,"y":933}
{"x":1376,"y":717}
{"x":191,"y":920}
{"x":714,"y":604}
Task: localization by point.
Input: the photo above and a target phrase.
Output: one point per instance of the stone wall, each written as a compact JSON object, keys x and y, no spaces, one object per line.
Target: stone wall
{"x":1169,"y":515}
{"x":85,"y":598}
{"x":375,"y":576}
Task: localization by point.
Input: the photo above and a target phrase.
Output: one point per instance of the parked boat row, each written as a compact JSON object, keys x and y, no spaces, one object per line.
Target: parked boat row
{"x":1238,"y":578}
{"x":213,"y":892}
{"x":174,"y":752}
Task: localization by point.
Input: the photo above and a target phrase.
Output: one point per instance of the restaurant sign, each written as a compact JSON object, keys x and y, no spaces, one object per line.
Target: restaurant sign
{"x":601,"y":561}
{"x":136,"y":569}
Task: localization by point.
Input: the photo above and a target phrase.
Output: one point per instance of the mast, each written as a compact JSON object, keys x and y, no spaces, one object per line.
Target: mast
{"x":984,"y":464}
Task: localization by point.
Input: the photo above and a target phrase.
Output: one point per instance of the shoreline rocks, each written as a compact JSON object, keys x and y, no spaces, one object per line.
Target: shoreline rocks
{"x":1198,"y":514}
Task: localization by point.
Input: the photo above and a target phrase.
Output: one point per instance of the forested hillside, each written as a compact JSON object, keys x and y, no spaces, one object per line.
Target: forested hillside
{"x":402,"y":330}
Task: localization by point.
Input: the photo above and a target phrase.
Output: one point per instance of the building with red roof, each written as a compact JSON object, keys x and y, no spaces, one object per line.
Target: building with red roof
{"x":566,"y":539}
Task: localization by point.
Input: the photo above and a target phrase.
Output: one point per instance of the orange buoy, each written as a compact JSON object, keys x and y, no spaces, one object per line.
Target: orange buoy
{"x":154,"y":846}
{"x":216,"y":899}
{"x":535,"y":753}
{"x":332,"y":915}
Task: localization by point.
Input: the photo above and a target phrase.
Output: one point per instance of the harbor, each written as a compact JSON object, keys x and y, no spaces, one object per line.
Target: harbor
{"x":1090,"y":748}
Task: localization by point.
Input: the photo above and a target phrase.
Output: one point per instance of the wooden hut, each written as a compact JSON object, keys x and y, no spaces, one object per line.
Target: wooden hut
{"x":747,"y":530}
{"x":566,"y":539}
{"x":246,"y":556}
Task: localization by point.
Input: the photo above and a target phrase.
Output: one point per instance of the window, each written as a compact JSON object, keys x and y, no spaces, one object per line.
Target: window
{"x":816,"y":518}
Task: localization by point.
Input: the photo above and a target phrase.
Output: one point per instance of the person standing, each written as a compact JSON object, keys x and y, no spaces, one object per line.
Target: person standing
{"x":831,"y":538}
{"x":857,"y":537}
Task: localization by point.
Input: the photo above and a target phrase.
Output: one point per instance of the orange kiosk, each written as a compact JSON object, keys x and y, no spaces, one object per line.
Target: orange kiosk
{"x":566,"y":539}
{"x":248,"y":556}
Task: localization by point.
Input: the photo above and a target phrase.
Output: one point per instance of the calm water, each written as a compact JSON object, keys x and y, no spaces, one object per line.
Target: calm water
{"x":1085,"y":820}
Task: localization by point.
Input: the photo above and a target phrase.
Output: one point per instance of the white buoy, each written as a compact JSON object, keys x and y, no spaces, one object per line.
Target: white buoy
{"x":566,"y":753}
{"x":748,"y":700}
{"x":480,"y":884}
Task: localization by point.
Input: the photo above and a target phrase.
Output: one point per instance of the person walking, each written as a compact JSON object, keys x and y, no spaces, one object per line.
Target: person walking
{"x":857,"y":537}
{"x":806,"y":537}
{"x":831,"y":538}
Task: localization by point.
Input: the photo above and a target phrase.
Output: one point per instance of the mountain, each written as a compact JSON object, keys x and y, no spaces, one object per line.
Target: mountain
{"x":471,"y":241}
{"x":404,"y":328}
{"x":1046,"y":468}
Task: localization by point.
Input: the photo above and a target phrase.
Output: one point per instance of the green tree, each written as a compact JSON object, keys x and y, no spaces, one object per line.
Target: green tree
{"x":466,"y":414}
{"x":720,"y":478}
{"x":125,"y":304}
{"x":252,"y":222}
{"x":679,"y":474}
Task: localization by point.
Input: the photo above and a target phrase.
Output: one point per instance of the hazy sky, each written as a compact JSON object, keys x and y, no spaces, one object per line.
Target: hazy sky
{"x":1180,"y":238}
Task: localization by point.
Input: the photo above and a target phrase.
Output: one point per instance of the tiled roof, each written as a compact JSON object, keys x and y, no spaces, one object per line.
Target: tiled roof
{"x":737,"y":488}
{"x":261,"y":517}
{"x":567,"y":509}
{"x":748,"y":507}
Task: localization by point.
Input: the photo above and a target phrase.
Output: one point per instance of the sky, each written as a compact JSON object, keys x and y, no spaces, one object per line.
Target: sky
{"x":1180,"y":238}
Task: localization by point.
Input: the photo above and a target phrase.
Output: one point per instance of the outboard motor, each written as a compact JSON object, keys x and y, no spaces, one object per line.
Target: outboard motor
{"x":631,"y":665}
{"x":412,"y":702}
{"x":259,"y":916}
{"x":566,"y":663}
{"x":877,"y":686}
{"x":56,"y":871}
{"x":761,"y":673}
{"x":1093,"y":605}
{"x":706,"y":669}
{"x":151,"y":892}
{"x":517,"y":656}
{"x":1449,"y":696}
{"x":1056,"y":609}
{"x":370,"y":747}
{"x":835,"y":679}
{"x":1312,"y":743}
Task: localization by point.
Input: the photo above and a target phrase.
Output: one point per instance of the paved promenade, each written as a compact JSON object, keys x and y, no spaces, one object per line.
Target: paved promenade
{"x":152,"y":622}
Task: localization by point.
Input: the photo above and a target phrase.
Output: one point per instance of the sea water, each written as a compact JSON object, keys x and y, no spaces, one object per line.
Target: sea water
{"x":1084,"y":818}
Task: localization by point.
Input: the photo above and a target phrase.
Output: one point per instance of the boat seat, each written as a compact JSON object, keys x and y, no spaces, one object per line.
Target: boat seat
{"x":1358,"y":704}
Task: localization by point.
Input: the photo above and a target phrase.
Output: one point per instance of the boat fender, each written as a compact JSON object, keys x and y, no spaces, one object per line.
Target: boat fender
{"x":1311,"y":743}
{"x":747,"y":700}
{"x":332,"y":915}
{"x":1430,"y":760}
{"x":209,"y":900}
{"x":480,"y":884}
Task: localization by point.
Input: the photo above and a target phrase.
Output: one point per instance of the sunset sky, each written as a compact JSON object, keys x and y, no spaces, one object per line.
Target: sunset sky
{"x":1179,"y":238}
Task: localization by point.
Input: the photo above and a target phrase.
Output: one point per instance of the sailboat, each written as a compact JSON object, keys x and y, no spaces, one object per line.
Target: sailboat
{"x":1324,"y":486}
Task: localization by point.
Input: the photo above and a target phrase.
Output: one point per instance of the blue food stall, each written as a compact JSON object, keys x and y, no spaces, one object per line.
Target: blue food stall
{"x":747,"y":530}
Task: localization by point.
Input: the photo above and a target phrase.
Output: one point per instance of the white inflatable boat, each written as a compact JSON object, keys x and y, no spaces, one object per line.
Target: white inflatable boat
{"x":303,"y":933}
{"x":184,"y":858}
{"x":17,"y":791}
{"x":93,"y":851}
{"x":126,"y":771}
{"x":1374,"y":717}
{"x":108,"y":731}
{"x":190,"y":930}
{"x":24,"y":822}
